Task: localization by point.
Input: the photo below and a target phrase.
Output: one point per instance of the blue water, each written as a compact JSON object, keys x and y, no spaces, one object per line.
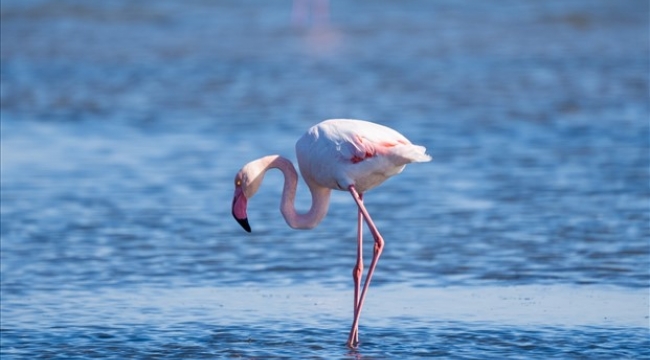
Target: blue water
{"x":123,"y":124}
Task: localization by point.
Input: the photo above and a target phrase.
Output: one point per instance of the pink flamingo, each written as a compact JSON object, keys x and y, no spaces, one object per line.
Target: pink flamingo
{"x":338,"y":154}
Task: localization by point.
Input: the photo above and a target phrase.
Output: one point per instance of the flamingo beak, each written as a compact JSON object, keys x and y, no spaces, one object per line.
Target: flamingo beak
{"x":239,"y":203}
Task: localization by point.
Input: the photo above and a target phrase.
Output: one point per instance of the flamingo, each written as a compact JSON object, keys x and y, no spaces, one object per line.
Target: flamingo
{"x":336,"y":154}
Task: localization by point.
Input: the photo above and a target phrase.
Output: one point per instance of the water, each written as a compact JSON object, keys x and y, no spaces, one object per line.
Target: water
{"x":124,"y":123}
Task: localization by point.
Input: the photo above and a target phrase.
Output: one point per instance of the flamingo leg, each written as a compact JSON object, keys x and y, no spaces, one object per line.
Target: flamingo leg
{"x":378,"y":248}
{"x":357,"y":271}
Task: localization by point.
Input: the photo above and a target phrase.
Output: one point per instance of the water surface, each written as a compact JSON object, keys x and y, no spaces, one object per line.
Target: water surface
{"x":123,"y":124}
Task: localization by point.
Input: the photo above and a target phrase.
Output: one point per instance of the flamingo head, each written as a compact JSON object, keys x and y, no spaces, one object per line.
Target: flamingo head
{"x":246,"y":185}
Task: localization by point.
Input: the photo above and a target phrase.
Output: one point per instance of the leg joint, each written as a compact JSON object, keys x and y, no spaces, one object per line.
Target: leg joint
{"x":357,"y":271}
{"x":379,"y":245}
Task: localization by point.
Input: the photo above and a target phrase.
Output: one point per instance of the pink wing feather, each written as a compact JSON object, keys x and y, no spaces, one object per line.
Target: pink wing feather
{"x":364,"y":148}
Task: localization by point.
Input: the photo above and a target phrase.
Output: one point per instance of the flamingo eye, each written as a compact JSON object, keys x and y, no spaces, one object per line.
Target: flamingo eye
{"x":237,"y":182}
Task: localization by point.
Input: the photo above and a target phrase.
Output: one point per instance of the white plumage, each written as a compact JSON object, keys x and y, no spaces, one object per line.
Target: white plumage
{"x":338,"y":153}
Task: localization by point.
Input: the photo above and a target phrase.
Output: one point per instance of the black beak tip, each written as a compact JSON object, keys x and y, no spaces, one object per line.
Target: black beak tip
{"x":244,"y":223}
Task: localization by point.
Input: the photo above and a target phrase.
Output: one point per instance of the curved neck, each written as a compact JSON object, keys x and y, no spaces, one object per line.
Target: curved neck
{"x":320,"y":196}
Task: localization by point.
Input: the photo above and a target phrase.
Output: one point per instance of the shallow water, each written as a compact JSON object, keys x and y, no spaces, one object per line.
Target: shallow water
{"x":306,"y":321}
{"x":124,"y":123}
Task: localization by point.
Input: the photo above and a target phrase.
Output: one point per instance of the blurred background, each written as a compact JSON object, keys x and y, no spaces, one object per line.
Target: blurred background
{"x":123,"y":124}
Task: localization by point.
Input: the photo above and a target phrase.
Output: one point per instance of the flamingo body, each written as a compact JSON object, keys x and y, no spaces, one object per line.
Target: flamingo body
{"x":337,"y":154}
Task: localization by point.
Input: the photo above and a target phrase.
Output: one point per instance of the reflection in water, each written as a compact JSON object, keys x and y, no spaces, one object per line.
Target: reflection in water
{"x":321,"y":37}
{"x":316,"y":12}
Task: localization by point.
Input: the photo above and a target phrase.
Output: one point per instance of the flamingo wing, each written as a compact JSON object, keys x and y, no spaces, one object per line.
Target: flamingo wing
{"x":358,"y":140}
{"x":339,"y":152}
{"x":360,"y":147}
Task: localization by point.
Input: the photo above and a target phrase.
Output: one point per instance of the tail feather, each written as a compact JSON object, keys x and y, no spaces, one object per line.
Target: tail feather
{"x":409,"y":153}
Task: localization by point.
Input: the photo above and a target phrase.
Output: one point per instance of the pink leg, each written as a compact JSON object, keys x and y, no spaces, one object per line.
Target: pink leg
{"x":357,"y":271}
{"x":379,"y":246}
